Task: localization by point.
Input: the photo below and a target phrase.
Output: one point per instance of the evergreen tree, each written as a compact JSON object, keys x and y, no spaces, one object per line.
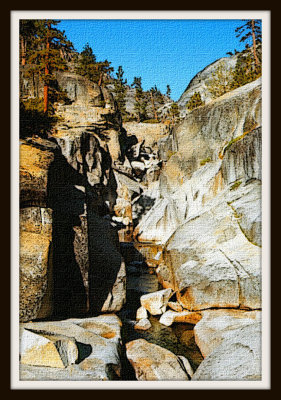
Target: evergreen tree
{"x":45,"y":57}
{"x":88,"y":66}
{"x":245,"y":70}
{"x":104,"y":70}
{"x":250,"y":33}
{"x":140,"y":100}
{"x":168,"y":91}
{"x":195,"y":101}
{"x":174,"y":112}
{"x":120,"y":90}
{"x":153,"y":92}
{"x":27,"y":34}
{"x":86,"y":63}
{"x":220,"y":83}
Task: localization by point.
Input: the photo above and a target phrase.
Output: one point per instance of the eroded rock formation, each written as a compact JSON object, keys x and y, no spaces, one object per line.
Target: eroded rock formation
{"x":178,"y":210}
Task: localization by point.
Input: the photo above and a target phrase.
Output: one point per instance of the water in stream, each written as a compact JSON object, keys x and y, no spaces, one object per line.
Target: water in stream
{"x":178,"y":338}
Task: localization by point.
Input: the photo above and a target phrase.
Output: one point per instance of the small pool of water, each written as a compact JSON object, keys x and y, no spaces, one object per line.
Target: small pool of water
{"x":178,"y":338}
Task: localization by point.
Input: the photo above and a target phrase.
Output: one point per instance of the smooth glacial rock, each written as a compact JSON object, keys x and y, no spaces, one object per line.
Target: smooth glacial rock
{"x":199,"y":82}
{"x":35,"y":276}
{"x":116,"y":297}
{"x":156,"y":302}
{"x":248,"y":209}
{"x":107,"y":326}
{"x":143,"y":324}
{"x":215,"y":325}
{"x":159,"y":223}
{"x":231,"y":342}
{"x":213,"y":264}
{"x":152,"y":362}
{"x":141,"y":313}
{"x":98,"y":342}
{"x":213,"y":148}
{"x":49,"y":351}
{"x":189,"y":317}
{"x":175,"y":306}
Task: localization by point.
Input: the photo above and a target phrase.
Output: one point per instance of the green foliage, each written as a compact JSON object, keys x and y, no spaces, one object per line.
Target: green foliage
{"x":86,"y":63}
{"x":44,"y":50}
{"x":174,"y":111}
{"x":219,"y":84}
{"x":52,"y":56}
{"x":248,"y":66}
{"x":150,"y":121}
{"x":170,"y":153}
{"x":245,"y":70}
{"x":140,"y":100}
{"x":88,"y":66}
{"x":247,"y":30}
{"x":205,"y":161}
{"x":33,"y":120}
{"x":120,"y":90}
{"x":168,"y":91}
{"x":235,"y":185}
{"x":195,"y":101}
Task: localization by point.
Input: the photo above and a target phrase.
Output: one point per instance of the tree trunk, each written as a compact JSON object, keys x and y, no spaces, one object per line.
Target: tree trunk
{"x":257,"y":62}
{"x":153,"y":107}
{"x":100,"y":79}
{"x":23,"y":52}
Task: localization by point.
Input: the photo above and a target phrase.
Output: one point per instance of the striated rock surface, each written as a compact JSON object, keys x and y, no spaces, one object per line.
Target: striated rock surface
{"x":36,"y":156}
{"x":199,"y":82}
{"x":68,"y":193}
{"x":36,"y":265}
{"x":230,"y":341}
{"x":47,"y":351}
{"x":152,"y":362}
{"x":96,"y":340}
{"x":150,"y":133}
{"x":207,"y":215}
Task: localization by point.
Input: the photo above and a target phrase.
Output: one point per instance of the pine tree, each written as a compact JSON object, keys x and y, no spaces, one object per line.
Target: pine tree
{"x":220,"y":83}
{"x":195,"y":101}
{"x":88,"y":66}
{"x":140,"y":100}
{"x":120,"y":90}
{"x":104,"y":70}
{"x":174,"y":112}
{"x":27,"y":33}
{"x":245,"y":70}
{"x":153,"y":92}
{"x":45,"y":55}
{"x":168,"y":91}
{"x":250,"y":33}
{"x":86,"y":63}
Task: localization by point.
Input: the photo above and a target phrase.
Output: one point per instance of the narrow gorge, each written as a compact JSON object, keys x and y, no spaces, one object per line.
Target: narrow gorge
{"x":140,"y":243}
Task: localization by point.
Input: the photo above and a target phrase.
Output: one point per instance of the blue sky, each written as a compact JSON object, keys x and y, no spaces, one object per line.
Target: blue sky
{"x":161,"y":52}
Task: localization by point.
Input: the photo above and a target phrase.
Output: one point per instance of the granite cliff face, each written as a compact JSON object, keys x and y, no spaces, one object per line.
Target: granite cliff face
{"x":202,"y":78}
{"x":110,"y":211}
{"x":68,"y":189}
{"x":207,"y":220}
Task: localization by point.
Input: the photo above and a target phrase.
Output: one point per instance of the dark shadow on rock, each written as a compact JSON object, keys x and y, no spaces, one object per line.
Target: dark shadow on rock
{"x":84,"y":350}
{"x":98,"y":261}
{"x":104,"y":258}
{"x":67,"y":203}
{"x":126,"y":142}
